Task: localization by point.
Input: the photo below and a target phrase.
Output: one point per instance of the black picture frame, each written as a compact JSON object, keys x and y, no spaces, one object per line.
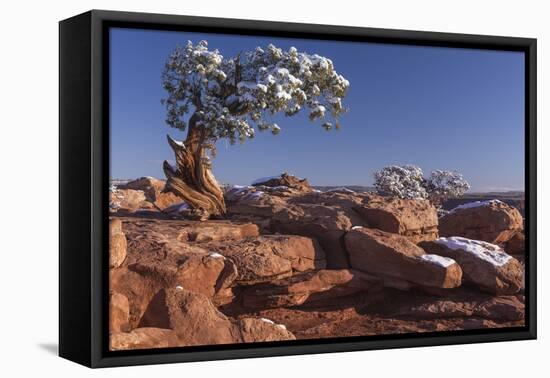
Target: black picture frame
{"x":84,"y":182}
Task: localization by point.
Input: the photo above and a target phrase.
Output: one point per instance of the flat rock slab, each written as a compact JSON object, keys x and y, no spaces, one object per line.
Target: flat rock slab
{"x":483,"y":264}
{"x":505,"y":308}
{"x":391,"y":255}
{"x":215,"y":231}
{"x":269,"y":257}
{"x":308,"y":287}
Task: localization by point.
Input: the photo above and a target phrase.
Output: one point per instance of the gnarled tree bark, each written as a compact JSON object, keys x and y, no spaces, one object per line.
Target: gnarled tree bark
{"x":192,"y":179}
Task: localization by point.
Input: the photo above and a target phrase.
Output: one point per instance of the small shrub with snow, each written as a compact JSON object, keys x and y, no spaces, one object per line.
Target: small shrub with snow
{"x":408,"y":182}
{"x":442,"y":185}
{"x":401,"y":181}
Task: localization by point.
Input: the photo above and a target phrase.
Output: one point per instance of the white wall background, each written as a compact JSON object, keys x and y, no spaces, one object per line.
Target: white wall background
{"x":29,"y":186}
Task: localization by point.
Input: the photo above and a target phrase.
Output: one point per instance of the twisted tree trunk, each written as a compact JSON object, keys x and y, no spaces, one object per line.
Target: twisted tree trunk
{"x":192,"y":179}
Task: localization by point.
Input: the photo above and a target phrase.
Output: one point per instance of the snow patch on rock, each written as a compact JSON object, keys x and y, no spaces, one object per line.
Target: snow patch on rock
{"x":488,"y":252}
{"x":474,"y":204}
{"x":236,"y":191}
{"x":254,"y":195}
{"x":438,"y":260}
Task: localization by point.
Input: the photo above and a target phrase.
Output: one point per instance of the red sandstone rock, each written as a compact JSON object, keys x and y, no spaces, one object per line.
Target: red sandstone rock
{"x":327,"y":224}
{"x":491,"y":221}
{"x":269,"y":257}
{"x":516,"y":245}
{"x":483,"y":264}
{"x":119,"y":313}
{"x":196,"y":321}
{"x":415,"y":219}
{"x":117,"y":243}
{"x":212,"y":231}
{"x":505,"y":308}
{"x":285,"y":180}
{"x":257,"y":330}
{"x":129,"y":200}
{"x":144,"y":338}
{"x":392,"y":255}
{"x":308,"y":287}
{"x":153,"y":191}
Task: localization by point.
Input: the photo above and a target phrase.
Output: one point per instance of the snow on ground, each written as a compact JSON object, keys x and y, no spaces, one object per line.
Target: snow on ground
{"x":488,"y":252}
{"x":216,"y":255}
{"x":267,"y":321}
{"x":261,"y":180}
{"x":470,"y":205}
{"x":438,"y":260}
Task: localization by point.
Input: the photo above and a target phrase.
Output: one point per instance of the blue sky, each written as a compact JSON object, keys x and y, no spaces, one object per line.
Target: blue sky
{"x":439,"y":108}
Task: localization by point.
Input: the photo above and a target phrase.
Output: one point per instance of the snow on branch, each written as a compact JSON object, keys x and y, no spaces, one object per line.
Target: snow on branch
{"x":232,"y":96}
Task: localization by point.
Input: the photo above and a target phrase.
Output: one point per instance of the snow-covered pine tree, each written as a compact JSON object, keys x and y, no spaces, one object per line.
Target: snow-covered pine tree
{"x":213,"y":97}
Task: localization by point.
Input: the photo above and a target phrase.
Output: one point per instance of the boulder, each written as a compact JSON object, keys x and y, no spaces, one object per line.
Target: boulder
{"x":516,"y":245}
{"x":144,"y":338}
{"x":414,"y":218}
{"x":261,"y":265}
{"x":196,"y":321}
{"x":491,"y":221}
{"x":327,"y":224}
{"x":214,"y":231}
{"x":136,"y":288}
{"x":205,"y":273}
{"x":482,"y":263}
{"x":344,"y":200}
{"x":503,"y":308}
{"x":307,"y":288}
{"x":392,"y":255}
{"x":150,"y":186}
{"x":192,"y":316}
{"x":119,"y":313}
{"x":284,"y":180}
{"x":117,"y":243}
{"x":257,"y":330}
{"x":153,"y":191}
{"x":128,"y":200}
{"x":269,"y":257}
